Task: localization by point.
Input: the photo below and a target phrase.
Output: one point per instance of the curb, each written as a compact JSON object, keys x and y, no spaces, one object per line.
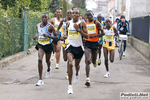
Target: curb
{"x":6,"y":61}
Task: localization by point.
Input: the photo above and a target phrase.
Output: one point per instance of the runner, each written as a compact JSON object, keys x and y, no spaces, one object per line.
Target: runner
{"x":91,"y":44}
{"x":85,"y":18}
{"x":115,"y":23}
{"x":81,"y":17}
{"x":65,"y":42}
{"x":109,"y":44}
{"x":99,"y":17}
{"x":57,"y":43}
{"x":124,"y":29}
{"x":76,"y":29}
{"x":44,"y":33}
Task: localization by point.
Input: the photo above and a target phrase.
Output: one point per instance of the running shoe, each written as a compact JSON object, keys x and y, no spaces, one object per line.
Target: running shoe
{"x":87,"y":83}
{"x":99,"y":62}
{"x":56,"y":67}
{"x":107,"y":75}
{"x":66,"y":76}
{"x":123,"y":54}
{"x":70,"y":89}
{"x":53,"y":57}
{"x":48,"y":73}
{"x":40,"y":82}
{"x":95,"y":64}
{"x":76,"y":79}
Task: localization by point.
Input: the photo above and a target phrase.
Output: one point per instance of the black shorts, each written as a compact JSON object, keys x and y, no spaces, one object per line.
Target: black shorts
{"x":47,"y":48}
{"x":91,"y":45}
{"x":55,"y":41}
{"x":76,"y":51}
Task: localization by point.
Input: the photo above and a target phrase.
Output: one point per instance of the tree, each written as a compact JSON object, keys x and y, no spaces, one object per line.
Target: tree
{"x":79,"y":3}
{"x":55,"y":4}
{"x":35,"y":5}
{"x":6,"y":3}
{"x":64,"y":5}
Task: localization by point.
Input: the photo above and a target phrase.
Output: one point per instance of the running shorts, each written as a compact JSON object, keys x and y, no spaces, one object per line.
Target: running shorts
{"x":76,"y":51}
{"x":47,"y":48}
{"x":91,"y":45}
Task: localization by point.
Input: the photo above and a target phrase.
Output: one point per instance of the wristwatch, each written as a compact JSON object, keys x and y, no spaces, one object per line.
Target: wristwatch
{"x":78,"y":30}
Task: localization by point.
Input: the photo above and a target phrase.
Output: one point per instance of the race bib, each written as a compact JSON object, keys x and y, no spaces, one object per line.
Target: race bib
{"x":121,"y":29}
{"x":109,"y":38}
{"x":122,"y":37}
{"x":43,"y":40}
{"x":74,"y":35}
{"x":91,"y":29}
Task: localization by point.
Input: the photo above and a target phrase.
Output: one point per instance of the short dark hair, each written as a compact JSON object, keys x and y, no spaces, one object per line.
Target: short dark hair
{"x":58,"y":9}
{"x":45,"y":14}
{"x":90,"y":11}
{"x":74,"y":7}
{"x":122,"y":16}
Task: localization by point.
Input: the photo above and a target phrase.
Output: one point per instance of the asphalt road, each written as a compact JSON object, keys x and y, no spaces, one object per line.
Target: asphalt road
{"x":131,"y":74}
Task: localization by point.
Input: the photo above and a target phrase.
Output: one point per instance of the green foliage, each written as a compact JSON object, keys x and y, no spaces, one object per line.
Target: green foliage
{"x":82,"y":11}
{"x":79,"y":3}
{"x":11,"y":35}
{"x":5,"y":3}
{"x":55,"y":4}
{"x":35,"y":5}
{"x":51,"y":15}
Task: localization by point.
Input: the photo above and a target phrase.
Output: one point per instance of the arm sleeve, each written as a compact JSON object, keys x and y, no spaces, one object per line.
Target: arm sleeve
{"x":118,"y":25}
{"x":128,"y":30}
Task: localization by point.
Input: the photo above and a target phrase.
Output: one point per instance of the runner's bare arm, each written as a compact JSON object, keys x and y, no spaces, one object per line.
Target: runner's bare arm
{"x":64,"y":35}
{"x":52,"y":21}
{"x":84,"y":31}
{"x":116,"y":32}
{"x":60,"y":25}
{"x":51,"y":29}
{"x":37,"y":34}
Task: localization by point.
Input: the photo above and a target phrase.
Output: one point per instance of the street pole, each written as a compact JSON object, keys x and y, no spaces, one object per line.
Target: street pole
{"x":149,"y":38}
{"x":122,"y":8}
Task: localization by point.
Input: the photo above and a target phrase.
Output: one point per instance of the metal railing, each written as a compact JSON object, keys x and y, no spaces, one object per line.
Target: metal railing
{"x":141,"y":28}
{"x":12,"y":35}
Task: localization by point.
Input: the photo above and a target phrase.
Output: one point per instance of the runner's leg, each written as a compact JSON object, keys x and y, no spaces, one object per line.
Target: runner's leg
{"x":94,"y":57}
{"x":70,"y":65}
{"x":40,"y":65}
{"x":87,"y":61}
{"x":112,"y":55}
{"x":48,"y":61}
{"x":106,"y":58}
{"x":58,"y":49}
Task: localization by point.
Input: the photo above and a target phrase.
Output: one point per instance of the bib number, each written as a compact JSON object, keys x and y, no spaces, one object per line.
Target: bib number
{"x":74,"y":35}
{"x":109,"y":38}
{"x":43,"y":40}
{"x":91,"y":29}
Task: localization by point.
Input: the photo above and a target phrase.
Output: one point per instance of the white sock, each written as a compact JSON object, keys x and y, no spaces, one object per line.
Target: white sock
{"x":57,"y":64}
{"x":70,"y":85}
{"x":88,"y":78}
